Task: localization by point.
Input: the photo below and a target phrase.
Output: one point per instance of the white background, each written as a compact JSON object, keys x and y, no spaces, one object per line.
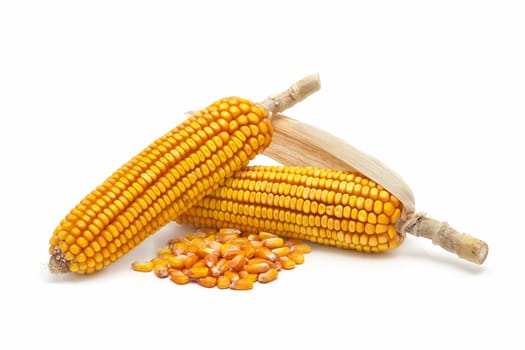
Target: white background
{"x":433,"y":88}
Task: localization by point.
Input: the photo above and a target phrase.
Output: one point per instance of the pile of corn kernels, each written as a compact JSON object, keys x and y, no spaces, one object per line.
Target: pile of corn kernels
{"x":226,"y":258}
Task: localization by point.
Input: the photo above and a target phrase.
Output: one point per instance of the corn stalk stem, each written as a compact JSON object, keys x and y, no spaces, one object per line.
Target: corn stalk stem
{"x":294,"y":94}
{"x":440,"y":233}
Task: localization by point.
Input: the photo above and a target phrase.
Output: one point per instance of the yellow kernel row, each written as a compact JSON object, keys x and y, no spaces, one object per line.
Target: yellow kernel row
{"x":225,"y":258}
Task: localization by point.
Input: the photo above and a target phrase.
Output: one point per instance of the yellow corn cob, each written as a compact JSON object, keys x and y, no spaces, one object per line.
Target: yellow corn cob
{"x":158,"y":184}
{"x":165,"y":179}
{"x":330,"y":207}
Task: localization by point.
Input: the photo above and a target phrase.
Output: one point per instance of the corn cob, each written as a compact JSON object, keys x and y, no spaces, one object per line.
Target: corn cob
{"x":297,"y":143}
{"x":359,"y":204}
{"x":165,"y":179}
{"x":325,"y":206}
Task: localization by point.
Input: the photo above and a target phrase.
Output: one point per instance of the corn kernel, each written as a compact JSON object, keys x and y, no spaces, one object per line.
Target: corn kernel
{"x":205,"y":250}
{"x":229,"y":251}
{"x":287,"y":263}
{"x":301,"y":248}
{"x":211,"y":259}
{"x":176,"y":261}
{"x":247,"y":275}
{"x":161,"y":271}
{"x":208,"y":281}
{"x":220,"y":268}
{"x":223,"y":282}
{"x":199,"y":272}
{"x":281,"y":251}
{"x":266,"y":253}
{"x":142,"y":266}
{"x":238,"y":262}
{"x":257,"y":268}
{"x":160,"y":261}
{"x":232,"y":275}
{"x":242,"y":284}
{"x":264,"y":235}
{"x":273,"y":242}
{"x":200,"y":263}
{"x":259,"y":261}
{"x":297,"y":257}
{"x":268,"y":276}
{"x":179,"y":277}
{"x":190,"y":261}
{"x":249,"y":251}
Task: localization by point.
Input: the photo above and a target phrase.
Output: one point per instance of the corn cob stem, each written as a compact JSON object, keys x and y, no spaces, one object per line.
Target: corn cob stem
{"x":296,"y":93}
{"x":465,"y":246}
{"x":165,"y":179}
{"x":298,"y":144}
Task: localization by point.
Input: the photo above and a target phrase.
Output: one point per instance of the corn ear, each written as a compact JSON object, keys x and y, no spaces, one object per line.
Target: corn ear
{"x":326,"y":206}
{"x":299,"y":144}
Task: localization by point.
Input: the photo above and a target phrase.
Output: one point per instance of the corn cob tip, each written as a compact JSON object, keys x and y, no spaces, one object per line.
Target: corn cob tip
{"x":58,"y":262}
